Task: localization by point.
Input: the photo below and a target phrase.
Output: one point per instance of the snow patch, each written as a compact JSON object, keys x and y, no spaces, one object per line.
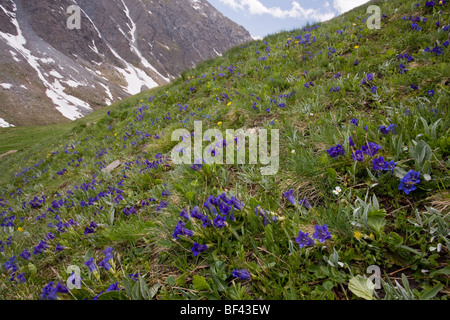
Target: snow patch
{"x":4,"y":124}
{"x":108,"y":92}
{"x":6,"y":86}
{"x":47,"y":60}
{"x":56,"y":74}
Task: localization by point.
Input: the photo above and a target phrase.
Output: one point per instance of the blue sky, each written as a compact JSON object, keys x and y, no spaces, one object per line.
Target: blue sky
{"x":263,"y":17}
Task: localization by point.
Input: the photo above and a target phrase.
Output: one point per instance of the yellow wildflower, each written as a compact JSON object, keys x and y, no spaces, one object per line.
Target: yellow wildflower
{"x":229,"y":103}
{"x":220,"y":123}
{"x":356,"y":47}
{"x":20,"y":229}
{"x":357,"y":235}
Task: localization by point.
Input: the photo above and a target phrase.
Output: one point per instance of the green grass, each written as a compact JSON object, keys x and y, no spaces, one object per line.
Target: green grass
{"x":371,"y":221}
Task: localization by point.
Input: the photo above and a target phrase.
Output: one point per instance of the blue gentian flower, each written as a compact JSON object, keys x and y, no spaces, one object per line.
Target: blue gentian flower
{"x":96,"y":297}
{"x":390,"y":166}
{"x":22,"y":278}
{"x":371,"y":149}
{"x":181,"y":230}
{"x":305,"y":203}
{"x":383,"y":129}
{"x":409,"y":181}
{"x":321,"y":233}
{"x":49,"y":292}
{"x":358,"y":155}
{"x":25,"y":254}
{"x":90,"y":264}
{"x":60,"y":288}
{"x":290,"y":196}
{"x":351,"y":143}
{"x":134,"y":276}
{"x":108,"y":253}
{"x":113,"y":287}
{"x":105,"y":264}
{"x":241,"y":274}
{"x":184,"y":214}
{"x":355,"y":122}
{"x":378,"y":164}
{"x":336,"y":151}
{"x":198,"y":248}
{"x":59,"y":248}
{"x":304,"y":240}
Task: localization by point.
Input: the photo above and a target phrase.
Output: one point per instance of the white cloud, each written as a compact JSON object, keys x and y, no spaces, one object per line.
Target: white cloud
{"x":347,"y":5}
{"x":255,"y":7}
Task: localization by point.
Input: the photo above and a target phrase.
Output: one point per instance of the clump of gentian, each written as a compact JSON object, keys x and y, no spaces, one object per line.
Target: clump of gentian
{"x":180,"y":230}
{"x":304,"y":240}
{"x":336,"y":151}
{"x":50,"y":291}
{"x":409,"y":181}
{"x":321,"y":233}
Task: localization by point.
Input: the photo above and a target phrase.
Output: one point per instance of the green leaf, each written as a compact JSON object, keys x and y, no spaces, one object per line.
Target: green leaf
{"x":153,"y":291}
{"x":360,"y":287}
{"x":444,"y":271}
{"x":127,"y":284}
{"x":328,"y":285}
{"x":390,"y":52}
{"x":200,"y":283}
{"x":431,"y":293}
{"x":426,"y":168}
{"x":190,"y":195}
{"x":112,"y":216}
{"x":171,"y":280}
{"x":32,"y":268}
{"x":111,"y":295}
{"x":144,"y":288}
{"x":375,"y":219}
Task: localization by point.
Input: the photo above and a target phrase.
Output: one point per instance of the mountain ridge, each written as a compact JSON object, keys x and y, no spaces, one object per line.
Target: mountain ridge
{"x":121,"y":48}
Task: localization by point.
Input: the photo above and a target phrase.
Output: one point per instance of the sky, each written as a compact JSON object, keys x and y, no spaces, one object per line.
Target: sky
{"x":264,"y":17}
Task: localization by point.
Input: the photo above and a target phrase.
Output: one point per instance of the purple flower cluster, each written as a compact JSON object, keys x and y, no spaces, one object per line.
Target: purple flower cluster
{"x":50,"y":291}
{"x":336,"y":151}
{"x":289,"y":195}
{"x":389,"y":129}
{"x":409,"y":181}
{"x":181,"y":230}
{"x":321,"y":234}
{"x":367,"y":79}
{"x":266,"y":216}
{"x":379,"y":164}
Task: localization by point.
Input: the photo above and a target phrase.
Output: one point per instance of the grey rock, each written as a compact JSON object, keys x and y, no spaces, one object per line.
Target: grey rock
{"x":112,"y":166}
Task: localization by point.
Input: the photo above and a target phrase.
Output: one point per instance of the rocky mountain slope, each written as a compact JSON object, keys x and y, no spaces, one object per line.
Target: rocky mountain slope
{"x":51,"y":73}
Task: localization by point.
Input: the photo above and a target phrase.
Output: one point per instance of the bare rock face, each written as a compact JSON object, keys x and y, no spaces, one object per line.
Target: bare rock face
{"x":51,"y":73}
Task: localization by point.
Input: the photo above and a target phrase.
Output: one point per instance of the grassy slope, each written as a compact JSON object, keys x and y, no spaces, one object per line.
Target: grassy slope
{"x":391,"y":236}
